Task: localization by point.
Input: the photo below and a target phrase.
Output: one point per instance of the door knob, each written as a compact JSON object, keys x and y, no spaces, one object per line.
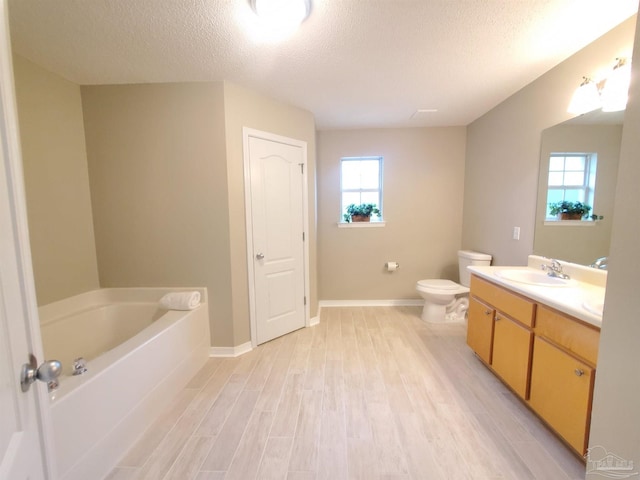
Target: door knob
{"x":47,"y":372}
{"x":260,"y":256}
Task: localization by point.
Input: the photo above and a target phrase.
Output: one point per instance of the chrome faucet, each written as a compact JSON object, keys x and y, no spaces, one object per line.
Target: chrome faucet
{"x":600,"y":263}
{"x":554,"y":269}
{"x":79,"y":366}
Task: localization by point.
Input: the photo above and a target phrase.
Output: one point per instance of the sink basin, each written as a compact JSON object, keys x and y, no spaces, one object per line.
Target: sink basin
{"x":532,"y":277}
{"x":594,"y":306}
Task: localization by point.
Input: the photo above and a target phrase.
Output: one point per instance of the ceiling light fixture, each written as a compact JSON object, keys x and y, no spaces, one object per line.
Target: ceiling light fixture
{"x":281,"y":17}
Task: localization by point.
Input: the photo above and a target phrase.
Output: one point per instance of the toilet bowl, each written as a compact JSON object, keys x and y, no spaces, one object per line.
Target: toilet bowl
{"x":445,"y":300}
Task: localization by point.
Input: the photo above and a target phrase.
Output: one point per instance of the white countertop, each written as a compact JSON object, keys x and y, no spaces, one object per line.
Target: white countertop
{"x":571,"y":298}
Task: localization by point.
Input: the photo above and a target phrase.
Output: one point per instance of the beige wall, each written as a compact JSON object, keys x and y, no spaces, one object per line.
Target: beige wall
{"x":616,"y":417}
{"x":56,"y":183}
{"x":159,"y":189}
{"x":422,"y":198}
{"x":503,"y":151}
{"x":167,"y":183}
{"x":247,"y":108}
{"x":579,"y":244}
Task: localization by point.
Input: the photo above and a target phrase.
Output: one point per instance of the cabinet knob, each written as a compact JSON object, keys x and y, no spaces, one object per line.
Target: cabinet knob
{"x":498,"y":317}
{"x":579,"y":372}
{"x":487,"y":312}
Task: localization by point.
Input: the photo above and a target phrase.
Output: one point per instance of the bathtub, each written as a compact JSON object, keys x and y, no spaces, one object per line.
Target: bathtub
{"x":138,"y":357}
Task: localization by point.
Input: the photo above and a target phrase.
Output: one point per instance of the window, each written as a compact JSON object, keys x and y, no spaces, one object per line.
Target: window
{"x":572,"y":177}
{"x":361,"y":182}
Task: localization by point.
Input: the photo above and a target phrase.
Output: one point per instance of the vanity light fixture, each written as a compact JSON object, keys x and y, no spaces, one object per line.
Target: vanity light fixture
{"x":586,"y":98}
{"x":281,"y":15}
{"x":615,"y":92}
{"x":610,"y":93}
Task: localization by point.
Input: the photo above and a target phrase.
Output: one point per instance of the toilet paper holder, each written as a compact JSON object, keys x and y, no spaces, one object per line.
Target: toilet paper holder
{"x":391,"y":266}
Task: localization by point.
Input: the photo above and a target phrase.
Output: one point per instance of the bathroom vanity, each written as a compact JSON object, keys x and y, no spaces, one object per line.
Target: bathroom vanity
{"x":540,"y":337}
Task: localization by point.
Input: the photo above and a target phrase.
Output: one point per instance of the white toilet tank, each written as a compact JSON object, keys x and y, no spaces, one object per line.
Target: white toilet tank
{"x":467,"y":258}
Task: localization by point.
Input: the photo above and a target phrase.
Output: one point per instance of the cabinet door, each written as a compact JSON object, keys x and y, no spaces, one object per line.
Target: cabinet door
{"x":480,"y":329}
{"x":512,"y":353}
{"x":561,"y":390}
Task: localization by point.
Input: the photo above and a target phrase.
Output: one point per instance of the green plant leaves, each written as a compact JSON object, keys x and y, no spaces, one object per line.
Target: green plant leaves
{"x":565,"y":206}
{"x":364,"y":209}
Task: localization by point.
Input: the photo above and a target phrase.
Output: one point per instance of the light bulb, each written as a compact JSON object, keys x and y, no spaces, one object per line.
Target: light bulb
{"x":616,"y":89}
{"x":280,"y":18}
{"x":585,"y":99}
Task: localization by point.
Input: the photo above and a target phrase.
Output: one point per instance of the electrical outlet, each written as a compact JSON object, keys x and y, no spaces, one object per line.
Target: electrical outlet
{"x":516,"y":233}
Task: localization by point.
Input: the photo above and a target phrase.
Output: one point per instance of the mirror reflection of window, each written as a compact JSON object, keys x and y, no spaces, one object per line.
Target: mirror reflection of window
{"x":572,"y":177}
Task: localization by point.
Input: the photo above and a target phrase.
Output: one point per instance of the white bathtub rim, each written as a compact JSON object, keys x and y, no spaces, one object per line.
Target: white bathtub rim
{"x":95,"y":367}
{"x":44,"y":320}
{"x":105,"y":296}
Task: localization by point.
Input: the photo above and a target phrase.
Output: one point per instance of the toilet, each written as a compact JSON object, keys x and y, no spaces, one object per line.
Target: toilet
{"x":447,"y":301}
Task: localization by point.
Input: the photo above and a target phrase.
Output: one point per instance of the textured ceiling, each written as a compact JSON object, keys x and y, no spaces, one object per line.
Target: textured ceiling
{"x":353,"y":63}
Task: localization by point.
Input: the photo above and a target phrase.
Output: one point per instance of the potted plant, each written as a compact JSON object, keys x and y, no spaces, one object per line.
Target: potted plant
{"x":360,"y":213}
{"x":569,"y":210}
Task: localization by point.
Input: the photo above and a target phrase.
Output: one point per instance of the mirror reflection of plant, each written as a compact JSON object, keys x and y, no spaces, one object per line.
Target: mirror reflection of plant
{"x":363,"y":210}
{"x":570,"y":208}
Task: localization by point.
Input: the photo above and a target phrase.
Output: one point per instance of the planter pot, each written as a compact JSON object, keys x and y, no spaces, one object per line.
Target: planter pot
{"x":571,"y":216}
{"x":360,"y":218}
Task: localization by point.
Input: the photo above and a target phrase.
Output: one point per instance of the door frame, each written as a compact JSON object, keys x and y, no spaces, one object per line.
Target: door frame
{"x":12,"y":166}
{"x":248,"y":133}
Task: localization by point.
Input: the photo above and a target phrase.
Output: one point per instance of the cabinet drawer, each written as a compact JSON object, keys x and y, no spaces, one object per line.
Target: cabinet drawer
{"x":561,"y":392}
{"x":517,"y":307}
{"x":578,"y":338}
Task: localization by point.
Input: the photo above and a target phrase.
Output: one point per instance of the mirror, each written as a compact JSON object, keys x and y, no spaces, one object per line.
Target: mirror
{"x":580,"y":241}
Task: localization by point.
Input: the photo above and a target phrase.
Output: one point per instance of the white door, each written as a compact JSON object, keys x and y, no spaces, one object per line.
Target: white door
{"x":22,"y":415}
{"x":276,"y":228}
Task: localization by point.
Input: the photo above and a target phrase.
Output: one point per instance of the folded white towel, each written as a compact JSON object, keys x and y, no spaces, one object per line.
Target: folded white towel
{"x":180,"y":300}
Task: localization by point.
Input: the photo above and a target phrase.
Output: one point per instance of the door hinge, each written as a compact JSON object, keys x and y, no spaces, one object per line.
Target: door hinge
{"x":301,"y":168}
{"x":305,"y":300}
{"x":303,"y":236}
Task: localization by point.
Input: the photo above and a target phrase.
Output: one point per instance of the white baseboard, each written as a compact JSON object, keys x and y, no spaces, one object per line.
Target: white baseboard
{"x":230,"y":351}
{"x":371,"y":303}
{"x":246,"y":347}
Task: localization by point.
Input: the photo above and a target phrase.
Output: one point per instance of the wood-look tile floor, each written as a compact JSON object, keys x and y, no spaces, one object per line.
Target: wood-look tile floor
{"x":369,"y":393}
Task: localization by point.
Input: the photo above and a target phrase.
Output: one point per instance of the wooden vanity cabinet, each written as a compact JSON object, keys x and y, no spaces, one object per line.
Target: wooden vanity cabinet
{"x":547,"y":357}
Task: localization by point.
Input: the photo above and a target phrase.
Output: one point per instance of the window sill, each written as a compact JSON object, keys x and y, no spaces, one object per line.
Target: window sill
{"x":361,"y":224}
{"x":570,"y":223}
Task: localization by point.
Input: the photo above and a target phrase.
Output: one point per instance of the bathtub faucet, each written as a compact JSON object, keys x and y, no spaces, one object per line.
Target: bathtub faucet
{"x":79,"y":366}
